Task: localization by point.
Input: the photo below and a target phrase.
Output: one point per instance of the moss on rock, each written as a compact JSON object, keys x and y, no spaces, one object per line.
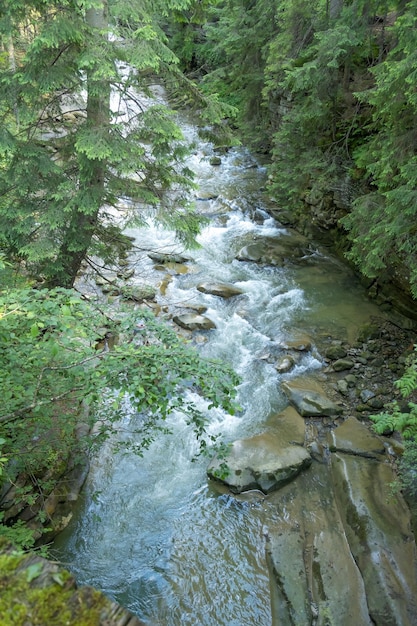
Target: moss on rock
{"x":36,"y":592}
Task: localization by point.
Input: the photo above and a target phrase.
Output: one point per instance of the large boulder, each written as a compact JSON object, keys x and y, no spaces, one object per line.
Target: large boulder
{"x":37,"y":591}
{"x":194,"y":321}
{"x":353,"y":437}
{"x":224,"y":290}
{"x":264,"y":462}
{"x":274,"y":250}
{"x":309,"y":398}
{"x":378,"y":528}
{"x":314,"y":577}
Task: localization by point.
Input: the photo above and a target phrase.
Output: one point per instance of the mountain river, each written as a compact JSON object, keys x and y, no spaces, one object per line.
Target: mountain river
{"x":152,"y":532}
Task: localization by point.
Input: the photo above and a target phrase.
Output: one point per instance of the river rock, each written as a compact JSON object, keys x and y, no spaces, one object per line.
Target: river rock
{"x":274,"y":250}
{"x":335,"y":351}
{"x":378,"y":527}
{"x":205,"y":196}
{"x":197,"y":308}
{"x":300,"y":343}
{"x":262,"y":462}
{"x":309,"y":398}
{"x":224,"y":290}
{"x":125,"y":274}
{"x":343,"y":387}
{"x":138,"y":293}
{"x":353,"y":437}
{"x":366,"y":395}
{"x":343,"y":364}
{"x":255,"y":252}
{"x":175,"y":269}
{"x":160,"y":257}
{"x":285,"y":364}
{"x":194,"y":321}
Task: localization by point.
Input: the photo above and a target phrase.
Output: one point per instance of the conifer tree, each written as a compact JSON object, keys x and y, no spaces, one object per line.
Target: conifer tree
{"x":233,"y":54}
{"x":383,"y":222}
{"x":81,"y":128}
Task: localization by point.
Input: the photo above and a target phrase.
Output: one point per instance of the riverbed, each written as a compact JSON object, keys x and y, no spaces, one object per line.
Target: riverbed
{"x":153,"y":533}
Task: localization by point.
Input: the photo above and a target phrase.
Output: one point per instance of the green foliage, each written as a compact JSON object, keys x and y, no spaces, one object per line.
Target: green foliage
{"x":396,"y":418}
{"x":408,"y":468}
{"x":404,"y":419}
{"x":68,"y":152}
{"x":310,"y":66}
{"x":51,"y":370}
{"x":18,"y":534}
{"x":231,"y":52}
{"x":382,"y":223}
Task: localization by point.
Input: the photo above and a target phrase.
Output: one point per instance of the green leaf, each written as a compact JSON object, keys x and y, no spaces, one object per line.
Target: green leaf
{"x":34,"y":571}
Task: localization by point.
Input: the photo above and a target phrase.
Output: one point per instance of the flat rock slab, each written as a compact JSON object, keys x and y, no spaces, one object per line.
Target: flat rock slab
{"x":262,"y":462}
{"x":378,"y":527}
{"x":194,"y":321}
{"x":309,"y":399}
{"x":314,"y":577}
{"x":224,"y":290}
{"x":289,"y":426}
{"x":353,"y":437}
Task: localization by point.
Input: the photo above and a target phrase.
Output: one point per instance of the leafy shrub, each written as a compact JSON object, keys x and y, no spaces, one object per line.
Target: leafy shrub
{"x":56,"y":359}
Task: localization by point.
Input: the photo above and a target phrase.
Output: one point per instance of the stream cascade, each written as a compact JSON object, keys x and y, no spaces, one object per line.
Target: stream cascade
{"x":330,"y":545}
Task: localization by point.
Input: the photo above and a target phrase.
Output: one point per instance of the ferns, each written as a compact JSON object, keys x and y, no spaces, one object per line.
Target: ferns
{"x":408,"y":382}
{"x":395,"y":417}
{"x":404,"y":421}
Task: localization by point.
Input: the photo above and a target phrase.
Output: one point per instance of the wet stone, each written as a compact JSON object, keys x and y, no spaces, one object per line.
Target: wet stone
{"x":160,"y":257}
{"x":351,"y":380}
{"x":343,"y":387}
{"x":285,"y":364}
{"x":262,"y":462}
{"x":353,"y":437}
{"x":289,"y":426}
{"x":366,"y":395}
{"x":224,"y":290}
{"x":343,"y":364}
{"x":335,"y":351}
{"x":309,"y":398}
{"x":193,"y":321}
{"x":378,"y":527}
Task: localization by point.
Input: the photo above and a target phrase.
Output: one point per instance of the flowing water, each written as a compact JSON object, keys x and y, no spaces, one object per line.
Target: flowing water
{"x":151,"y":532}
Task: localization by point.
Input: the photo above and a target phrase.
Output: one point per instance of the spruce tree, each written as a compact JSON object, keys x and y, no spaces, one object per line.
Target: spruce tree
{"x":81,"y":128}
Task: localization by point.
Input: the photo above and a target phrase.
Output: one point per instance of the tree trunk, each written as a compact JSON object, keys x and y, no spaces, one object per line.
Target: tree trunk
{"x":335,"y":8}
{"x":83,"y":222}
{"x":12,"y":66}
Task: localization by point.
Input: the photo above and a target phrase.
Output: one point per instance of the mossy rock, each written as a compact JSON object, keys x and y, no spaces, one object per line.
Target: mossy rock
{"x":37,"y":592}
{"x":139,"y":293}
